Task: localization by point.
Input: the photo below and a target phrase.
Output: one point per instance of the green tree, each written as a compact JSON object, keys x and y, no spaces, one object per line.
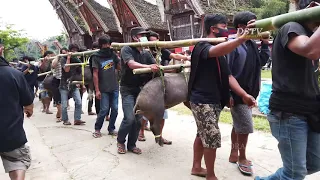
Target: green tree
{"x":12,"y":39}
{"x":269,"y":8}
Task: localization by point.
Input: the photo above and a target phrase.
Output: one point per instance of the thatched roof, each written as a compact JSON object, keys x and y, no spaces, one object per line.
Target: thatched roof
{"x":76,"y":15}
{"x":227,"y":7}
{"x":149,"y":14}
{"x":105,"y":14}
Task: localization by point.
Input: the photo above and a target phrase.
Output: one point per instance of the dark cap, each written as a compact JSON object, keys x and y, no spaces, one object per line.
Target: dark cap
{"x":138,"y":30}
{"x":154,"y":34}
{"x":304,"y":3}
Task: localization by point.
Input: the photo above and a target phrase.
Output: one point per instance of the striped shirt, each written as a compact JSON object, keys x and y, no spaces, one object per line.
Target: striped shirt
{"x":57,"y":72}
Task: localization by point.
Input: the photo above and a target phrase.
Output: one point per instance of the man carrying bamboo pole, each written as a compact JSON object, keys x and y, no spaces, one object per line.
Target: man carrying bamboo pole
{"x":57,"y":73}
{"x":45,"y":95}
{"x":294,"y":116}
{"x":208,"y":92}
{"x":15,"y":100}
{"x":245,"y":64}
{"x":67,"y":87}
{"x":131,"y":58}
{"x":30,"y":72}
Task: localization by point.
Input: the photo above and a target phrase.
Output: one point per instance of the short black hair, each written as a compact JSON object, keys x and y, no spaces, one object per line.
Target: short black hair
{"x":243,"y":18}
{"x":105,"y":39}
{"x":66,"y":49}
{"x":47,"y":53}
{"x":24,"y":57}
{"x":153,"y":34}
{"x":74,"y":46}
{"x":214,"y":19}
{"x":31,"y":58}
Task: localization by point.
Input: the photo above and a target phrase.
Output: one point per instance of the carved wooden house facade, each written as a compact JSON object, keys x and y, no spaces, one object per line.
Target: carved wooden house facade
{"x":74,"y":27}
{"x":185,"y":17}
{"x":133,"y":13}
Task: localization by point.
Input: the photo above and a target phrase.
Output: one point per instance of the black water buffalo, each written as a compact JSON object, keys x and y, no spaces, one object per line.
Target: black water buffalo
{"x":155,"y":97}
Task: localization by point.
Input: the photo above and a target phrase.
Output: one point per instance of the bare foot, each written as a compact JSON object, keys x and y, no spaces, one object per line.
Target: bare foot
{"x":49,"y":112}
{"x":199,"y":172}
{"x":233,"y":157}
{"x":212,"y":178}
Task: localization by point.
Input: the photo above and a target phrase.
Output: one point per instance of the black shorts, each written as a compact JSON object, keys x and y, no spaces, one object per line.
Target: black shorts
{"x":55,"y":91}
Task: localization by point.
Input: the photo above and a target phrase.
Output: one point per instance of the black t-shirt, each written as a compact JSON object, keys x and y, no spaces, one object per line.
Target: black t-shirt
{"x":14,"y":94}
{"x":206,"y":85}
{"x":31,"y":76}
{"x":127,"y":77}
{"x":74,"y":71}
{"x":165,"y":57}
{"x":106,"y":62}
{"x":294,"y":77}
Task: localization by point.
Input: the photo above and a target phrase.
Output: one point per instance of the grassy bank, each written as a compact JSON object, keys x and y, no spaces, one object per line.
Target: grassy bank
{"x":260,"y":123}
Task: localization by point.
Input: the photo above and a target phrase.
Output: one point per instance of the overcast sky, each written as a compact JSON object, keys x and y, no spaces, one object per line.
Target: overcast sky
{"x":37,"y":18}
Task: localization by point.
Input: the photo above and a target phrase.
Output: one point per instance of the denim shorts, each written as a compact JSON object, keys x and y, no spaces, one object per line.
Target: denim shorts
{"x":44,"y":93}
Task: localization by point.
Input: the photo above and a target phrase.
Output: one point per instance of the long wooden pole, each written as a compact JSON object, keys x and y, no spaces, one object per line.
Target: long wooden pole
{"x":159,"y":44}
{"x":169,"y":67}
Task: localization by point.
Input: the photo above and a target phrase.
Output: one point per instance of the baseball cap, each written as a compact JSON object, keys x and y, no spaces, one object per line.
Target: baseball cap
{"x":138,"y":30}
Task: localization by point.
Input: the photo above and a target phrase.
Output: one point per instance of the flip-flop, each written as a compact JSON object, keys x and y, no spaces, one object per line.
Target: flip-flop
{"x":121,"y":148}
{"x":251,"y":163}
{"x":141,"y":138}
{"x":136,"y":150}
{"x":166,"y":142}
{"x":243,"y":171}
{"x":96,"y":135}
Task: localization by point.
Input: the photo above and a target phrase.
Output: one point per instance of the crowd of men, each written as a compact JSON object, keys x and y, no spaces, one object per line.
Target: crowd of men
{"x":227,"y":74}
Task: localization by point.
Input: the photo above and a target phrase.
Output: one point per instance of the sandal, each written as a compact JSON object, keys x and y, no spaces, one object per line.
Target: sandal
{"x":241,"y":166}
{"x":66,"y":123}
{"x":91,"y":113}
{"x":250,"y":162}
{"x":58,"y":120}
{"x":141,"y":138}
{"x":166,"y":141}
{"x":96,"y":135}
{"x":136,"y":150}
{"x":113,"y":133}
{"x":121,"y":148}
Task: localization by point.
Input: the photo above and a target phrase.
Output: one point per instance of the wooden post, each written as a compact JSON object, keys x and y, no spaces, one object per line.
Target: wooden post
{"x":192,"y":25}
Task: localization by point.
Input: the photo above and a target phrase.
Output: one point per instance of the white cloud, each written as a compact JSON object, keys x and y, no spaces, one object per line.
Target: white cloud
{"x":36,"y":17}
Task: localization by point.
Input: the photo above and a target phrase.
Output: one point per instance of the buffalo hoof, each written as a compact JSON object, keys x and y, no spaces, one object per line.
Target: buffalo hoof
{"x":159,"y":140}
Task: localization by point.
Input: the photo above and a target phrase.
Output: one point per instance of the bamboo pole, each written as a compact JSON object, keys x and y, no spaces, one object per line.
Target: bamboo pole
{"x":169,"y":67}
{"x":169,"y":44}
{"x":305,"y":15}
{"x":76,"y":64}
{"x":45,"y":73}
